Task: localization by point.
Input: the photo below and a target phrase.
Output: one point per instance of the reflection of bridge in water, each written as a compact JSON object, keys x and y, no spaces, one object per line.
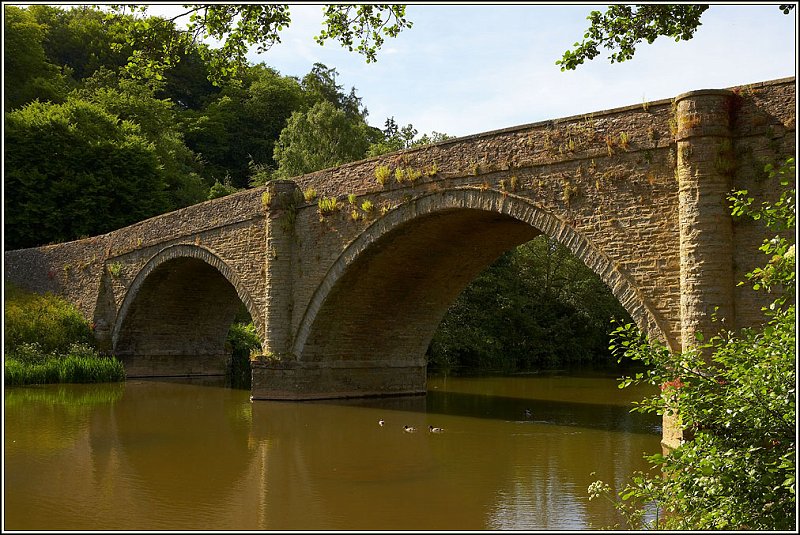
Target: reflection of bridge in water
{"x":183,"y":456}
{"x":347,"y":301}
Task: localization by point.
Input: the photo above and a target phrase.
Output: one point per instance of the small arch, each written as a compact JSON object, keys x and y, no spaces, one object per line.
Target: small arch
{"x":492,"y":202}
{"x":182,"y":251}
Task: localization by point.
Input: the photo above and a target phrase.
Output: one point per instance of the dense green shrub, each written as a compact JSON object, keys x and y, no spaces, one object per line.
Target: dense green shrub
{"x":50,"y":321}
{"x":243,"y":340}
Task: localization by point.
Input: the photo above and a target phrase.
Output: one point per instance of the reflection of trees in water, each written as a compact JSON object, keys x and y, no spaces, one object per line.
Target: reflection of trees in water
{"x":551,"y":468}
{"x":35,"y":412}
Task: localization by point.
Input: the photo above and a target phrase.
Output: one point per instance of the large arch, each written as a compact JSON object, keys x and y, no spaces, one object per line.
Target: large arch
{"x":176,"y":313}
{"x":409,"y":266}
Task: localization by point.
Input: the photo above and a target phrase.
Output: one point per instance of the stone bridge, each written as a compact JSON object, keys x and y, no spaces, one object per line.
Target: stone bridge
{"x":346,"y":298}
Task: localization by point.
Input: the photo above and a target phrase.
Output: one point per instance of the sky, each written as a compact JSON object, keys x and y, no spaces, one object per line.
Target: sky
{"x":468,"y":68}
{"x":471,"y":68}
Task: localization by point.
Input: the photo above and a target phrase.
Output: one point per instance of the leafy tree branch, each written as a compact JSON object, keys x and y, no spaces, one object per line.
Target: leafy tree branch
{"x":237,"y":27}
{"x":623,"y":27}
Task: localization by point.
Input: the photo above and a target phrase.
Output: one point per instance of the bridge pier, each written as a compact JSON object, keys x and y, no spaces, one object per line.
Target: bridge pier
{"x":282,"y":198}
{"x":705,"y":166}
{"x":278,"y":374}
{"x":704,"y":172}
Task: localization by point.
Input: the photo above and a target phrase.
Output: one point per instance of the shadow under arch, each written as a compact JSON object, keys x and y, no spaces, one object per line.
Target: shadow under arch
{"x":176,"y":314}
{"x":399,"y":276}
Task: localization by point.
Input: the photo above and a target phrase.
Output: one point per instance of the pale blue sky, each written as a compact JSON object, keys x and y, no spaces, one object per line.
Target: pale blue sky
{"x":470,"y":68}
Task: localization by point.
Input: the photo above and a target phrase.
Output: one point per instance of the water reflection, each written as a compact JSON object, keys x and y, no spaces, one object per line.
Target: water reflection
{"x":165,"y":455}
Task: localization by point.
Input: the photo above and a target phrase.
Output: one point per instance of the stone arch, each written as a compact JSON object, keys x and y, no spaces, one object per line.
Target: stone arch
{"x":184,"y":299}
{"x":521,"y":218}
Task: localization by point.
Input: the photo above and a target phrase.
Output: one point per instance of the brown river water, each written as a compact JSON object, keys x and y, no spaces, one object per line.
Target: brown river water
{"x":185,"y":455}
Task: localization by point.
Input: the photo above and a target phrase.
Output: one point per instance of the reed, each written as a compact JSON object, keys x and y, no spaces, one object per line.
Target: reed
{"x":82,"y":364}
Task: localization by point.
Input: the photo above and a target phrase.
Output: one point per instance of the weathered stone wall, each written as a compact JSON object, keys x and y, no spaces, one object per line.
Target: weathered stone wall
{"x":763,"y":126}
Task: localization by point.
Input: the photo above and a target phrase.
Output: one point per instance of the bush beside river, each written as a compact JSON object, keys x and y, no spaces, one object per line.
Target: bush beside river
{"x":47,"y":340}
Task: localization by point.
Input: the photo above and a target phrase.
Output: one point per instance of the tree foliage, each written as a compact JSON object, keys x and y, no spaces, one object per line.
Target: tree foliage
{"x":623,"y":26}
{"x":735,"y":395}
{"x":158,"y":122}
{"x":322,"y":137}
{"x":394,"y":138}
{"x":28,"y":73}
{"x":240,"y":126}
{"x":74,"y":170}
{"x":237,"y":27}
{"x":82,"y":40}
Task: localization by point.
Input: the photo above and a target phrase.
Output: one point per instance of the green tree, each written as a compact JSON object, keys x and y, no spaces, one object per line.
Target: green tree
{"x":322,"y":137}
{"x":238,"y":129}
{"x":362,"y":28}
{"x":735,"y":396}
{"x":158,"y":123}
{"x":320,"y":85}
{"x":394,"y":138}
{"x":270,"y":101}
{"x":28,"y":73}
{"x":624,"y":26}
{"x":186,"y":83}
{"x":82,"y":39}
{"x":75,"y":170}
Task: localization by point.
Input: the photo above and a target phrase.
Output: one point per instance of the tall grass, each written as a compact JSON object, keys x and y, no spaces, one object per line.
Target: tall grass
{"x":81,"y":364}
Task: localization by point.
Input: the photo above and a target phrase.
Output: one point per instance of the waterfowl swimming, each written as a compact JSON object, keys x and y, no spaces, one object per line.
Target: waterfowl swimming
{"x":381,"y":422}
{"x":408,"y":429}
{"x":435,"y":429}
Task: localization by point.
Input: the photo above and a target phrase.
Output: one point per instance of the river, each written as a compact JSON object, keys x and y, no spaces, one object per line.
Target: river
{"x":516,"y":453}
